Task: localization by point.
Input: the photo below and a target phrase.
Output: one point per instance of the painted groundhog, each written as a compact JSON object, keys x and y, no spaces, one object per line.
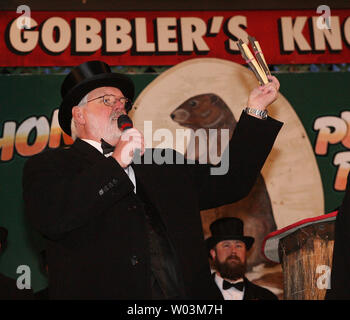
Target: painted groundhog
{"x":209,"y":111}
{"x":205,"y":111}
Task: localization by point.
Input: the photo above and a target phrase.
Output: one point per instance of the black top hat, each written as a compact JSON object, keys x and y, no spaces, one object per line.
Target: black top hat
{"x":3,"y":238}
{"x":227,"y":229}
{"x":84,"y":78}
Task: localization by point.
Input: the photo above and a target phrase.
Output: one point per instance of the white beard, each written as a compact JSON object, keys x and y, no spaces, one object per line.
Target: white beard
{"x":110,"y":132}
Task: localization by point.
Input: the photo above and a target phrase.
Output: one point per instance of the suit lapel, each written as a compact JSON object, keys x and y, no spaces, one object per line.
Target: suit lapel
{"x":87,"y":151}
{"x":248,"y":292}
{"x":146,"y":177}
{"x":216,"y":290}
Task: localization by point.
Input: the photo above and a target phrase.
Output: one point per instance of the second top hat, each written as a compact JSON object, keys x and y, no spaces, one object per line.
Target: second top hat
{"x":228,"y":229}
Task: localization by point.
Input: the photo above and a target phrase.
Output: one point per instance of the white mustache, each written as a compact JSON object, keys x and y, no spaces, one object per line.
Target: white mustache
{"x":115,"y":115}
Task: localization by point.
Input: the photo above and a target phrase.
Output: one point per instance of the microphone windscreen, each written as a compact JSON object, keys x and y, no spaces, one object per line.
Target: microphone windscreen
{"x":124,"y":122}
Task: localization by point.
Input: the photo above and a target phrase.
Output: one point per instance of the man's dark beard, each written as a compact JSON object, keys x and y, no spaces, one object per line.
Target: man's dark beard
{"x":230,"y":270}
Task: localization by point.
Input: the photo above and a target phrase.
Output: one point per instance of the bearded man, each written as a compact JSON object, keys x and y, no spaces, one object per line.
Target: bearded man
{"x":123,"y":229}
{"x":228,"y":250}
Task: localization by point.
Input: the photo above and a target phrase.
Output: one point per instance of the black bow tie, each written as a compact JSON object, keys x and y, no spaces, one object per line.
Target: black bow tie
{"x":106,"y":147}
{"x":238,"y":285}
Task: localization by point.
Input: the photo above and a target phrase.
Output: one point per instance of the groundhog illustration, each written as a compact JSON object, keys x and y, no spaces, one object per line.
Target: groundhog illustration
{"x":205,"y":111}
{"x":209,"y":111}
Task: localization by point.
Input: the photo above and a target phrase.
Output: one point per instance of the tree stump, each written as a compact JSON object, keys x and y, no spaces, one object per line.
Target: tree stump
{"x":306,"y":256}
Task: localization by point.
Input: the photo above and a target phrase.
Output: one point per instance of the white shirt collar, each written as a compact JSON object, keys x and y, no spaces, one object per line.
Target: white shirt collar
{"x":232,"y":293}
{"x":95,"y":144}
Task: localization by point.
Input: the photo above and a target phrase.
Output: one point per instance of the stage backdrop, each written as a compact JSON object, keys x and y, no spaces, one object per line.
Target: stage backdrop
{"x":315,"y":136}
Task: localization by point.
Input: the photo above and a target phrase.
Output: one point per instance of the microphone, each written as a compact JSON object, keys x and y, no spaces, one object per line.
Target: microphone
{"x":124,"y":123}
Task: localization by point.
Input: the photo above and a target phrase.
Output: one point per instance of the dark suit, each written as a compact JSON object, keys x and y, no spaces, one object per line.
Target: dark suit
{"x":84,"y":204}
{"x":251,"y":291}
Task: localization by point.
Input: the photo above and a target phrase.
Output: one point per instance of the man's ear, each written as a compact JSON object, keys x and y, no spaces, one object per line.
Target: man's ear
{"x":212,"y":253}
{"x":77,"y":114}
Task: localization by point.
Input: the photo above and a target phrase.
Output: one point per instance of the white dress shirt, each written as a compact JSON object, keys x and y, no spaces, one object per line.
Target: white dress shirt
{"x":232,"y":293}
{"x":128,"y":170}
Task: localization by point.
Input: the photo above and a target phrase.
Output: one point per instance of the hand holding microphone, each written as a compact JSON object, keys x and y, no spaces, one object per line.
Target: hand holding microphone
{"x":131,"y":142}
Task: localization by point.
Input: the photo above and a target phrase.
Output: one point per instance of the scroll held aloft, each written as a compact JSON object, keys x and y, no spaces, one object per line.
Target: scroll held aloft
{"x":257,"y":63}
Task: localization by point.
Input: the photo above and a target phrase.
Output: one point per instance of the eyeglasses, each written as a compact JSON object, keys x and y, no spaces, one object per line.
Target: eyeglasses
{"x":110,"y":100}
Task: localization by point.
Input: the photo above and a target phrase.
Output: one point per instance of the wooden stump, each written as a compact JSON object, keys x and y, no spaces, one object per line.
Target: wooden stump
{"x":301,"y":253}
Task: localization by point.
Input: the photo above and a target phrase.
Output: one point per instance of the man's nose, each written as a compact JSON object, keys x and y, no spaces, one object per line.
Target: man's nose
{"x":120,"y":107}
{"x":234,"y":251}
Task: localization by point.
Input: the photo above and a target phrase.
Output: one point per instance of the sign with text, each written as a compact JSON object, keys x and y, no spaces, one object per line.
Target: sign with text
{"x":63,"y":38}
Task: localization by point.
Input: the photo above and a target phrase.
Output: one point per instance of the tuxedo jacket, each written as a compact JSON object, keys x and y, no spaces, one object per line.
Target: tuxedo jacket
{"x":251,"y":291}
{"x":84,"y":205}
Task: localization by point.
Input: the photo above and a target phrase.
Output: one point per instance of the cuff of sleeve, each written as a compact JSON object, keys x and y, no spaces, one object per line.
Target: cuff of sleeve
{"x":246,"y":117}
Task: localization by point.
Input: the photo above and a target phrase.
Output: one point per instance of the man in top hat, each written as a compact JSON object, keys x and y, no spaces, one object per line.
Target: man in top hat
{"x":121,"y":229}
{"x":228,"y":248}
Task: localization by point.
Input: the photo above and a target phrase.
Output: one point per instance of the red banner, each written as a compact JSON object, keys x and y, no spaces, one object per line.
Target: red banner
{"x":168,"y":37}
